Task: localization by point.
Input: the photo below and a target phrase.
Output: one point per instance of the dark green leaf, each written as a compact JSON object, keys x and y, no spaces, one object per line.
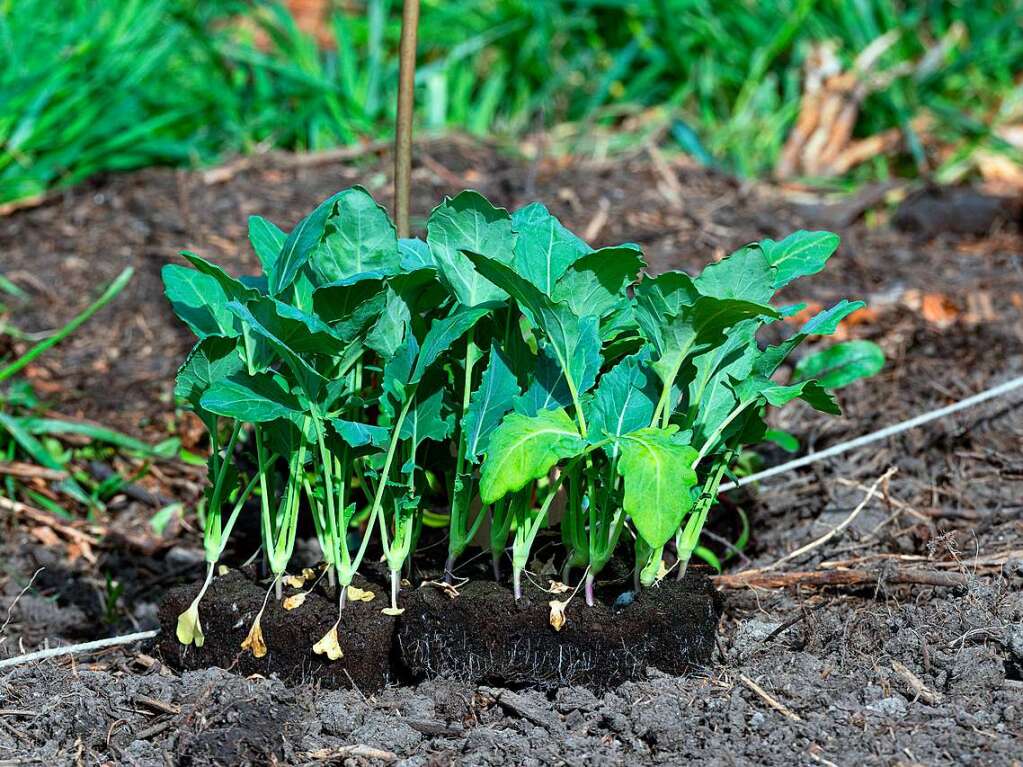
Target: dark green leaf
{"x":199,"y":301}
{"x":488,"y":404}
{"x":257,"y":398}
{"x":358,"y":237}
{"x":547,"y":389}
{"x":595,"y":283}
{"x":824,"y":323}
{"x":300,"y":244}
{"x":391,"y":325}
{"x":544,"y":248}
{"x":442,"y":333}
{"x":746,"y":275}
{"x":267,"y":242}
{"x":361,"y":434}
{"x":211,"y":360}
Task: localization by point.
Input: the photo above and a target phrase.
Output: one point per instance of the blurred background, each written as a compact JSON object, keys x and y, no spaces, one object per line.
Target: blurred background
{"x":835,"y":92}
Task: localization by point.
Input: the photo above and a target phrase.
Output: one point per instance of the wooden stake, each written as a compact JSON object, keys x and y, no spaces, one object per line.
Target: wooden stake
{"x":406,"y":106}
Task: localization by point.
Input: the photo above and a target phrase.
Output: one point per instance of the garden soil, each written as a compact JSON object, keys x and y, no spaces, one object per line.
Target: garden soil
{"x":885,"y":672}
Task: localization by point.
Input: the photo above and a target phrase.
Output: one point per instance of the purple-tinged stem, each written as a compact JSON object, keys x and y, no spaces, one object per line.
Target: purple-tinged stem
{"x":449,"y":570}
{"x":495,"y":562}
{"x":517,"y":583}
{"x":590,"y":580}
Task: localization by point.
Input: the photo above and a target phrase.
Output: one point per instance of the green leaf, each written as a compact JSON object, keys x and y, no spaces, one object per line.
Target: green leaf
{"x":306,"y":376}
{"x":442,"y":333}
{"x":233,"y":288}
{"x":574,"y":340}
{"x":427,"y":419}
{"x":772,"y":393}
{"x":358,"y":237}
{"x":469,"y":222}
{"x":303,"y":333}
{"x":544,"y":248}
{"x":658,"y":473}
{"x":595,"y":283}
{"x":300,"y":244}
{"x":346,"y":301}
{"x":624,"y":400}
{"x":414,"y":255}
{"x":710,"y":396}
{"x":267,"y":242}
{"x":523,"y":449}
{"x":842,"y":364}
{"x":212,"y":359}
{"x":359,"y":435}
{"x":199,"y":301}
{"x":782,"y":439}
{"x":823,"y":324}
{"x":746,"y":275}
{"x":547,"y":388}
{"x":392,"y":323}
{"x":253,"y":399}
{"x":488,"y":404}
{"x":665,"y":295}
{"x":800,"y":254}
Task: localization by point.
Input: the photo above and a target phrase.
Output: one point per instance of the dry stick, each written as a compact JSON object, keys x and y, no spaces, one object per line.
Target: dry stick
{"x":835,"y":530}
{"x":76,"y":649}
{"x":848,"y":578}
{"x":771,"y":701}
{"x":889,"y":431}
{"x":406,"y":106}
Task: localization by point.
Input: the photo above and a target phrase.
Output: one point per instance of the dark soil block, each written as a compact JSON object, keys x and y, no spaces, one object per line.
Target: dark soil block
{"x":229,"y":607}
{"x":484,"y":636}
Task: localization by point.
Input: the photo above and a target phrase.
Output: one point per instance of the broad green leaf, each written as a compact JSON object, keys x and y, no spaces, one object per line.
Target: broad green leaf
{"x":524,"y":449}
{"x":301,"y":332}
{"x":300,"y":244}
{"x":574,"y":340}
{"x":233,"y":288}
{"x":782,"y":439}
{"x":547,"y":389}
{"x":658,"y":473}
{"x":199,"y":301}
{"x":468,"y":222}
{"x":595,"y":283}
{"x":710,"y":397}
{"x":361,"y":434}
{"x":252,"y":399}
{"x":390,"y":327}
{"x":267,"y":242}
{"x":211,"y":360}
{"x":746,"y":275}
{"x":544,"y":248}
{"x":842,"y":364}
{"x":624,"y":400}
{"x":306,"y":376}
{"x":800,"y":254}
{"x":428,"y":418}
{"x":358,"y":237}
{"x":349,"y":305}
{"x":488,"y":404}
{"x":664,"y":296}
{"x":442,"y":333}
{"x":414,"y":255}
{"x":823,"y":324}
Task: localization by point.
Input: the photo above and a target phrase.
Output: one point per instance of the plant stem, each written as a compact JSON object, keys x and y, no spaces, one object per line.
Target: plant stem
{"x":406,"y":107}
{"x":395,"y":585}
{"x":517,"y":582}
{"x":590,"y":601}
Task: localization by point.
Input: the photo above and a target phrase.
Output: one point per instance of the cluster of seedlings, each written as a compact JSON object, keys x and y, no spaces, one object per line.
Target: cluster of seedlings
{"x":499,"y":377}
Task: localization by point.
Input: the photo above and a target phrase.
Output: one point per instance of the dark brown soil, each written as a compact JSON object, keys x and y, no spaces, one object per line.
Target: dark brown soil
{"x":885,"y":675}
{"x":229,"y":607}
{"x":483,"y":636}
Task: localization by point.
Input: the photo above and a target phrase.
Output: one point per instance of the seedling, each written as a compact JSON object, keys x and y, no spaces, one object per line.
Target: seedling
{"x":495,"y":367}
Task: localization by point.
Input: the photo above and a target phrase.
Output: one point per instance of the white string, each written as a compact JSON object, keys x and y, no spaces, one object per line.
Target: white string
{"x":876,"y":436}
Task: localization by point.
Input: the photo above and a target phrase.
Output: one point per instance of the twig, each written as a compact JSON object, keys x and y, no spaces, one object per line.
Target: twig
{"x":23,"y":470}
{"x":921,"y":690}
{"x":876,"y":436}
{"x":77,"y":649}
{"x":838,"y":528}
{"x":774,"y":703}
{"x":10,"y":609}
{"x":48,"y":519}
{"x":355,"y":750}
{"x":849,"y":578}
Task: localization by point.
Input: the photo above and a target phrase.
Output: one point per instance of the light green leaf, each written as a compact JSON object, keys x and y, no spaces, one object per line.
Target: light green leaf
{"x":414,"y":255}
{"x":658,"y":473}
{"x":300,"y":244}
{"x":233,"y":288}
{"x":746,"y":275}
{"x":624,"y":400}
{"x":800,"y":254}
{"x":391,"y":325}
{"x":442,"y":333}
{"x":842,"y":364}
{"x":523,"y":449}
{"x":469,"y":222}
{"x":359,"y":435}
{"x":822,"y":324}
{"x":757,"y":387}
{"x":252,"y":399}
{"x":544,"y":248}
{"x":358,"y":237}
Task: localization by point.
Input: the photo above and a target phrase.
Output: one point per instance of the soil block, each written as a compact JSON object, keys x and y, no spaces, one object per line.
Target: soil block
{"x":484,"y":636}
{"x":367,"y":637}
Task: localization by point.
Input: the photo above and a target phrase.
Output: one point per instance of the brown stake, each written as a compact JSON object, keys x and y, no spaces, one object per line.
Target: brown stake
{"x":406,"y":105}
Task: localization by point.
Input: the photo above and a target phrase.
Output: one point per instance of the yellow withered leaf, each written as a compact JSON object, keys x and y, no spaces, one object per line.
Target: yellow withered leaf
{"x":557,"y":613}
{"x":189,"y":630}
{"x":393,"y":611}
{"x":295,"y":581}
{"x":355,"y":594}
{"x":557,"y":587}
{"x":329,"y":645}
{"x":254,"y":641}
{"x":294,"y":601}
{"x":308,"y":573}
{"x":223,"y":570}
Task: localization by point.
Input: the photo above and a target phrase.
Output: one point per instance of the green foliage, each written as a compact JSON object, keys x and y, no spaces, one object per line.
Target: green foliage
{"x":485,"y":369}
{"x":91,"y":87}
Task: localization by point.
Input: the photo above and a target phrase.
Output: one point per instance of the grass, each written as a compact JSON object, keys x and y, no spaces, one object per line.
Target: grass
{"x":92,"y":87}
